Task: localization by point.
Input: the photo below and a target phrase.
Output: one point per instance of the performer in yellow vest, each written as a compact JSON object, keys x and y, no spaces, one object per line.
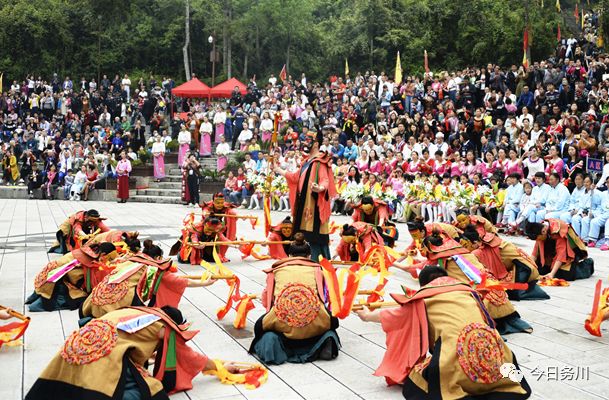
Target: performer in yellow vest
{"x":445,"y":318}
{"x":297,"y":327}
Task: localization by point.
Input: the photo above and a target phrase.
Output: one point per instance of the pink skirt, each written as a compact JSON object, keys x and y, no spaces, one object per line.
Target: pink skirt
{"x":219,"y":132}
{"x":159,"y":167}
{"x":182,"y":153}
{"x":205,"y":146}
{"x":266,"y":136}
{"x":222,"y":161}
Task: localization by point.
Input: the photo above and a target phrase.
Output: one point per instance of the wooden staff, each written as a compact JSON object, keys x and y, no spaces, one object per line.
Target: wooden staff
{"x":14,"y":313}
{"x":375,"y":305}
{"x":339,"y":262}
{"x":365,"y":292}
{"x":230,"y":216}
{"x":236,"y":242}
{"x":211,"y":276}
{"x":87,"y":238}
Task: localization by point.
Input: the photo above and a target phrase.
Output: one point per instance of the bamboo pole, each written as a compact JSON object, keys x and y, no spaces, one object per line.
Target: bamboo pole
{"x":375,"y":305}
{"x":211,"y":276}
{"x":237,"y":242}
{"x":14,"y":313}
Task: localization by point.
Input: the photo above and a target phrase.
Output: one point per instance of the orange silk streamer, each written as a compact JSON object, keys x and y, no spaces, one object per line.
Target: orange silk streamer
{"x":12,"y":332}
{"x":250,"y":249}
{"x":492,"y":284}
{"x":599,"y":308}
{"x":553,"y":282}
{"x":342,"y":298}
{"x":244,"y":306}
{"x":333,"y":228}
{"x":252,"y":375}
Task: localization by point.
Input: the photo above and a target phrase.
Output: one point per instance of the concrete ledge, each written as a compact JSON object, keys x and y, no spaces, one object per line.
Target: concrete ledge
{"x":20,"y":192}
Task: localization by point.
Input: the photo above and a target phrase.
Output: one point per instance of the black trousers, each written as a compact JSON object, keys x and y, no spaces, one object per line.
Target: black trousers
{"x":193,"y":188}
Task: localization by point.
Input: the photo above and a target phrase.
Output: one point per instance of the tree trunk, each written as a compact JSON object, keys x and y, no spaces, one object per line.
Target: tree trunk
{"x":371,"y":52}
{"x":257,"y":44}
{"x":225,"y":39}
{"x":186,"y":41}
{"x":229,"y":58}
{"x":287,"y":58}
{"x":245,"y":66}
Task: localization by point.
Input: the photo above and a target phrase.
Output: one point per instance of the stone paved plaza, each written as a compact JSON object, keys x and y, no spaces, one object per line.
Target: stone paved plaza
{"x":559,"y":343}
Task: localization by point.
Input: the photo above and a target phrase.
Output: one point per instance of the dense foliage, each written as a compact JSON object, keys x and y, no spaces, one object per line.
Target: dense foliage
{"x":77,"y":37}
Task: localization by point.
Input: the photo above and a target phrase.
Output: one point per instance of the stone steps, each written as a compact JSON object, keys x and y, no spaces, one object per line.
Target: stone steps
{"x":160,"y":192}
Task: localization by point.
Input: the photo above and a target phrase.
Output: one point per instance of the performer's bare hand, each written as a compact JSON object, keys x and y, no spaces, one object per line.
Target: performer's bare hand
{"x":232,"y":368}
{"x":4,"y":314}
{"x":363,"y":314}
{"x":316,"y":188}
{"x":209,"y":281}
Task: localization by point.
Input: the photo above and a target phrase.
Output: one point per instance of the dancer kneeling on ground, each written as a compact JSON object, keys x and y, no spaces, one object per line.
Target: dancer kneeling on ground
{"x":468,"y":357}
{"x":297,"y":327}
{"x":142,"y":279}
{"x":209,"y":230}
{"x":355,"y":238}
{"x":505,"y":262}
{"x":559,"y":252}
{"x":78,"y":226}
{"x":66,"y":282}
{"x":278,"y":233}
{"x":459,"y":263}
{"x":108,"y":358}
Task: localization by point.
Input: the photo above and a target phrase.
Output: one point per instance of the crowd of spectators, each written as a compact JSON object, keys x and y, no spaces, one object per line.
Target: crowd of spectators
{"x":516,"y":140}
{"x":69,"y":134}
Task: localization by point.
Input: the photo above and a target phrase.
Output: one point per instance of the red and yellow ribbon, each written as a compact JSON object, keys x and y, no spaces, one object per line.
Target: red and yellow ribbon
{"x":244,"y":302}
{"x":252,"y":375}
{"x":600,"y":310}
{"x":552,"y":282}
{"x":13,"y":331}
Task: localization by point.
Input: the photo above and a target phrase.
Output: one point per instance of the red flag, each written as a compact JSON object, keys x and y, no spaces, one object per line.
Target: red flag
{"x":283,"y":75}
{"x":426,"y":62}
{"x":525,"y":48}
{"x":576,"y":13}
{"x":558,"y":34}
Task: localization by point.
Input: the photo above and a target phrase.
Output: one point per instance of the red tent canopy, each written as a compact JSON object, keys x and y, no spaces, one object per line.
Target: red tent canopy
{"x":225,"y":89}
{"x":192,"y":88}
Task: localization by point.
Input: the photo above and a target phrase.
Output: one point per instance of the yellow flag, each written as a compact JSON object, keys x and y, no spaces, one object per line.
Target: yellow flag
{"x":346,"y":67}
{"x":558,"y":5}
{"x":398,"y":70}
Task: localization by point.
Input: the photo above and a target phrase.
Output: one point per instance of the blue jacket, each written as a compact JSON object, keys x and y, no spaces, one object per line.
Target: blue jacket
{"x":558,"y":198}
{"x":539,"y":195}
{"x":513,"y":194}
{"x":351,"y":153}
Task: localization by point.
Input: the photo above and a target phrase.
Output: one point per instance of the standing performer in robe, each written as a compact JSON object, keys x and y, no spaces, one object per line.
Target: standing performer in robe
{"x":108,"y":359}
{"x":559,"y":252}
{"x":311,"y":189}
{"x":297,"y":326}
{"x":446,"y":318}
{"x":75,"y":228}
{"x":145,"y":279}
{"x":66,"y":282}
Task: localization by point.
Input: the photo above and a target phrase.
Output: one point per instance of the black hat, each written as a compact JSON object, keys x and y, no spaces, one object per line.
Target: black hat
{"x":93,"y":214}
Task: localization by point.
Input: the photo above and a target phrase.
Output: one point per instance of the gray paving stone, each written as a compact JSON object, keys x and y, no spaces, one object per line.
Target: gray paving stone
{"x":27,"y":228}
